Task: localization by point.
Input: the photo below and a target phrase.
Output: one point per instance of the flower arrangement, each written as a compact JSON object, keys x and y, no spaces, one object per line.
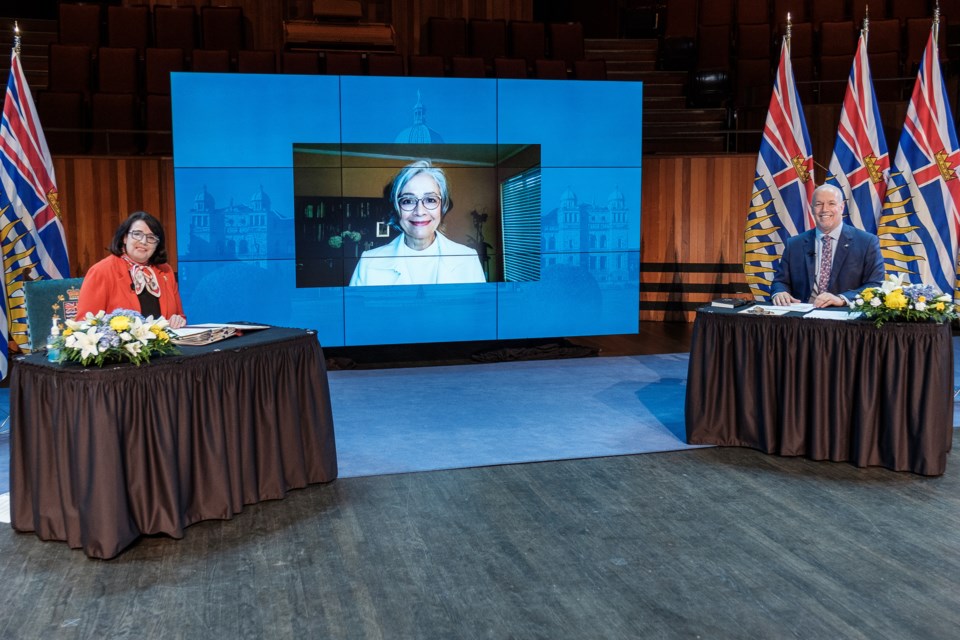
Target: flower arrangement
{"x":122,"y":335}
{"x":899,"y":301}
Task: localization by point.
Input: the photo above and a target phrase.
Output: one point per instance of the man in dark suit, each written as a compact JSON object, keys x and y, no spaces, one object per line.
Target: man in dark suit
{"x":829,"y":265}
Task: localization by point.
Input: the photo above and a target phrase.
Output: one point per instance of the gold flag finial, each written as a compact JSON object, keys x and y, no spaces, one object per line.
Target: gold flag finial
{"x":16,"y":38}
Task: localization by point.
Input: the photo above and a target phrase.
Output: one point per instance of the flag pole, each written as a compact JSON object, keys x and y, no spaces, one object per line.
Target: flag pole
{"x":6,"y":332}
{"x":783,"y":181}
{"x":789,"y":31}
{"x":936,"y":25}
{"x":34,"y":240}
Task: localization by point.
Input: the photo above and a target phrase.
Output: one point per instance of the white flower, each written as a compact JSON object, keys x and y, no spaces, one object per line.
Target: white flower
{"x":944,"y":298}
{"x":921,"y":306}
{"x":143,"y":333}
{"x":859,"y":302}
{"x":892,"y":282}
{"x":875,"y":302}
{"x":133,"y":348}
{"x":87,"y":341}
{"x":156,"y":323}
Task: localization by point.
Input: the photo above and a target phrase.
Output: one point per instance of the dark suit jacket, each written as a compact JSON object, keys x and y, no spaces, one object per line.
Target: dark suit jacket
{"x":857,"y":264}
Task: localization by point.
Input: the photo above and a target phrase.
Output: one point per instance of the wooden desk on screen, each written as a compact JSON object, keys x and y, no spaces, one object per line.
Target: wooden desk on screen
{"x":102,"y":456}
{"x":824,"y":389}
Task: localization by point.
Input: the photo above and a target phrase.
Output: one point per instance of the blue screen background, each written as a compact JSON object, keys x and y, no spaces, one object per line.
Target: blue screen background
{"x":233,"y":141}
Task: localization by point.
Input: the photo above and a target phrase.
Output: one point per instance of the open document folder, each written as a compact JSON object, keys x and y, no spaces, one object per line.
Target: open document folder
{"x":832,"y":313}
{"x":196,"y":335}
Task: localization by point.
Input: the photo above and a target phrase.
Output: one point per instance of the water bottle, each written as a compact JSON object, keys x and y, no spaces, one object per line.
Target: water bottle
{"x":53,"y":353}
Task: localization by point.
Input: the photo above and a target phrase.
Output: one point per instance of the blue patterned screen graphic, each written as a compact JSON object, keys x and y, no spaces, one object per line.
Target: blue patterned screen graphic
{"x":283,"y":199}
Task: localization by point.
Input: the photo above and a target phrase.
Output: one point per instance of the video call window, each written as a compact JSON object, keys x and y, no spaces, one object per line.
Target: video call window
{"x":400,"y":214}
{"x":282,"y":202}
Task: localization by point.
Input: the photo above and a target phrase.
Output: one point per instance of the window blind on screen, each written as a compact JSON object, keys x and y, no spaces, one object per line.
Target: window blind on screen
{"x":520,"y":204}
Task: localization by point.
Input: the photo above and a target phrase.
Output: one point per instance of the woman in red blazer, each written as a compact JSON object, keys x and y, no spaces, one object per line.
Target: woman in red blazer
{"x":135,"y":276}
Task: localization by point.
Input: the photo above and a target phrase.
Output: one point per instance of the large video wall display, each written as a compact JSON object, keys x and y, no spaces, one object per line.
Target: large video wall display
{"x":404,"y":210}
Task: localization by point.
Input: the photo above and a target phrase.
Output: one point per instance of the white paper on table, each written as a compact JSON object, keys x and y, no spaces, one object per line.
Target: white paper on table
{"x":221,"y":325}
{"x":192,"y":330}
{"x":765,"y":310}
{"x":828,"y":314}
{"x":803,"y":307}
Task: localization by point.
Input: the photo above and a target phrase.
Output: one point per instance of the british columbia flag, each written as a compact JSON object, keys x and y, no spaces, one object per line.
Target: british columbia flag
{"x":860,"y":165}
{"x":782,"y":185}
{"x":31,"y":235}
{"x":918,"y":228}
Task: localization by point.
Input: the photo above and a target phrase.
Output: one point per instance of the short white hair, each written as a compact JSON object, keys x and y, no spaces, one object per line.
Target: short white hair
{"x":837,"y":191}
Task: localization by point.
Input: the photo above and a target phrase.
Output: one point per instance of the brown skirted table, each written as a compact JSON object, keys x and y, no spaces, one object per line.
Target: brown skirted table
{"x":823,"y":389}
{"x":102,"y":456}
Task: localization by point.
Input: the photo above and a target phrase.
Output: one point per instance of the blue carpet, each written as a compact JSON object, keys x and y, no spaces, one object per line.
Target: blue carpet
{"x":426,"y":418}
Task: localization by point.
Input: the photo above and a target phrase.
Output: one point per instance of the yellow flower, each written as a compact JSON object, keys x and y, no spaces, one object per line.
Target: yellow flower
{"x":67,"y":332}
{"x":896,"y":300}
{"x":921,"y":298}
{"x":938,"y":306}
{"x":867,"y":295}
{"x":120,"y":323}
{"x":162,"y":335}
{"x":155,"y":329}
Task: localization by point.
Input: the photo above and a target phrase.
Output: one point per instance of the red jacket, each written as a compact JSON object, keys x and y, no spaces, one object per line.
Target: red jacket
{"x":107,"y":286}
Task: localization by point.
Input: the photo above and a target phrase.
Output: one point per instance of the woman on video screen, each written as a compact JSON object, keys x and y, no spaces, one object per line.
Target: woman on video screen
{"x":420,"y":254}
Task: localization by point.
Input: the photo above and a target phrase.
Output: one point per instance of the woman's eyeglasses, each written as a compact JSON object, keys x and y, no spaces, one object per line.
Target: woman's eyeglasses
{"x":149,"y":238}
{"x":409,"y":203}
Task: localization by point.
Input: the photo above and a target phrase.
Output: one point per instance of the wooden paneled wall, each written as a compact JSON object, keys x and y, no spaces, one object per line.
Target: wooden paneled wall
{"x":693,"y":213}
{"x":97,"y":194}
